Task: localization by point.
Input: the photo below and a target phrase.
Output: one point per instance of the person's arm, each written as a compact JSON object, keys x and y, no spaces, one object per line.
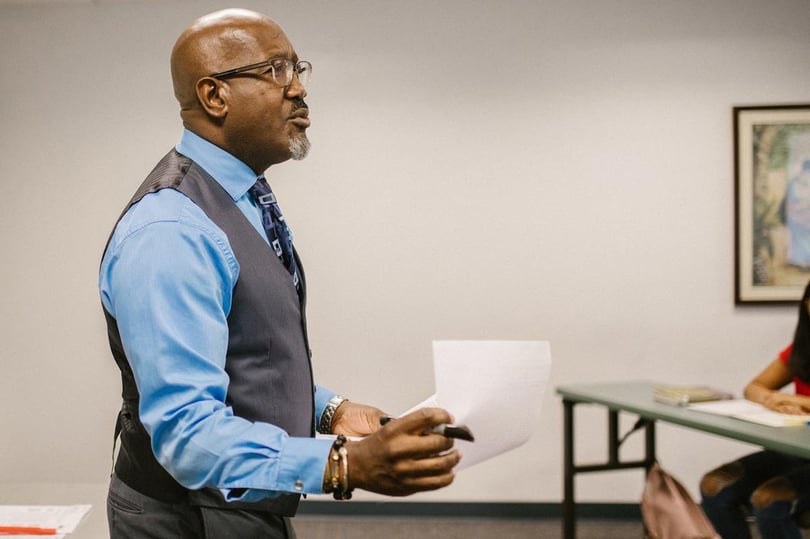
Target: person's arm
{"x":766,"y":387}
{"x":168,"y":283}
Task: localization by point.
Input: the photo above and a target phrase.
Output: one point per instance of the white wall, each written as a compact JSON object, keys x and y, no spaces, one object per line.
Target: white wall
{"x":569,"y":164}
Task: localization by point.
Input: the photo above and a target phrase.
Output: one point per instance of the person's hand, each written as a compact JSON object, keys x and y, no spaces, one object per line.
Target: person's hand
{"x":784,"y":403}
{"x":404,"y":456}
{"x":353,"y":419}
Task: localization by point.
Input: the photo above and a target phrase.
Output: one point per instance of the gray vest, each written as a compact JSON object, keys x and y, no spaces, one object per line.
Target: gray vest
{"x":268,"y":360}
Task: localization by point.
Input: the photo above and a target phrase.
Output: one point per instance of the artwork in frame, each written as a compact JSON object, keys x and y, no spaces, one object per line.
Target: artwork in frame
{"x":772,"y":202}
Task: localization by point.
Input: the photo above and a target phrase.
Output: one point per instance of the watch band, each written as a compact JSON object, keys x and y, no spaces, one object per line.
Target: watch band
{"x":325,"y":425}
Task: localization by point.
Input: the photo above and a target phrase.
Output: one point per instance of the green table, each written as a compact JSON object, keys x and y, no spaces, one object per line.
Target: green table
{"x":637,"y":398}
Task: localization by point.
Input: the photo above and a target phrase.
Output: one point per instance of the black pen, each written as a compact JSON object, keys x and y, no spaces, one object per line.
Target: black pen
{"x":454,"y":431}
{"x":460,"y":432}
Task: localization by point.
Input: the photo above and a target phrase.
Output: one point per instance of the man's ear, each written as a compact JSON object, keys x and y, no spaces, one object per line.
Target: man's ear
{"x":213,"y":97}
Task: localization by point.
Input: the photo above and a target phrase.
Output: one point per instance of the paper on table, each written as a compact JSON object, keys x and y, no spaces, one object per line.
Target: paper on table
{"x":495,"y":388}
{"x":751,"y":411}
{"x":64,"y":518}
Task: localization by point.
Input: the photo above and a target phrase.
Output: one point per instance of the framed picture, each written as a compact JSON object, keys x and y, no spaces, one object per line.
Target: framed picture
{"x":772,"y":202}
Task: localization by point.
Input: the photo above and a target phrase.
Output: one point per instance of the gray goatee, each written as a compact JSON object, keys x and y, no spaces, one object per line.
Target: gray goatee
{"x":299,"y":147}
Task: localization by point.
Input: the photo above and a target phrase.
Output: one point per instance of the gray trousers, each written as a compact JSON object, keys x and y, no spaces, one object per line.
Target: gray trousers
{"x":131,"y":515}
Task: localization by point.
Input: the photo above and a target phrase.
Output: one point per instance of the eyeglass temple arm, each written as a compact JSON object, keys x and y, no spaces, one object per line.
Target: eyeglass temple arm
{"x":237,"y":70}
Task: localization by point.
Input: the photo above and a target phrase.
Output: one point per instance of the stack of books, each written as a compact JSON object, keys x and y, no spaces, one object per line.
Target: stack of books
{"x":685,"y":395}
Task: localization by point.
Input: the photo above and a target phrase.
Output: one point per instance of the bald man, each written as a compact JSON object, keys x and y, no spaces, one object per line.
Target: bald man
{"x":204,"y":297}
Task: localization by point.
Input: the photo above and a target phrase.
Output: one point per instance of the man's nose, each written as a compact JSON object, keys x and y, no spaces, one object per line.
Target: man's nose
{"x":295,"y":88}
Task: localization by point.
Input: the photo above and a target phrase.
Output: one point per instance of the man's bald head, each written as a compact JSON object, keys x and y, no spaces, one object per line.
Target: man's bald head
{"x":248,"y":114}
{"x":213,"y":43}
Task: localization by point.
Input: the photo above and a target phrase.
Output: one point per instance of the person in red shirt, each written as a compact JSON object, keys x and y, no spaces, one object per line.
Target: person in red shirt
{"x":772,"y":486}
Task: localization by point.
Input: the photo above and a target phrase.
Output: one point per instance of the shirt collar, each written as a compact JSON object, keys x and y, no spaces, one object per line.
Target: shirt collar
{"x":232,"y":174}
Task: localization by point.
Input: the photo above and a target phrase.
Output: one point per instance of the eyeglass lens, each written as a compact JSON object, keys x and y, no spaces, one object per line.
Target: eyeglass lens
{"x":283,"y":70}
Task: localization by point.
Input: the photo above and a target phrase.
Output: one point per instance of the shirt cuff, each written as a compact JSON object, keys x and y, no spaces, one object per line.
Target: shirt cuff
{"x":300,"y":471}
{"x":322,"y":396}
{"x":302,"y":465}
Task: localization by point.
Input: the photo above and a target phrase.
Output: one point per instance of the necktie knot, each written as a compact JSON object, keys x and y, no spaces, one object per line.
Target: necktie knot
{"x":262,"y":193}
{"x":278,"y":233}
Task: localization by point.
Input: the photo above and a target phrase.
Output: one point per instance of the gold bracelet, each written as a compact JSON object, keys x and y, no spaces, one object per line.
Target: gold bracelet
{"x":334,"y":470}
{"x":339,"y":469}
{"x":344,"y":480}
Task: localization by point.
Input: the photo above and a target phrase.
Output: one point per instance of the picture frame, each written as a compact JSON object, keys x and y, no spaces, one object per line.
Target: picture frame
{"x":772,"y":202}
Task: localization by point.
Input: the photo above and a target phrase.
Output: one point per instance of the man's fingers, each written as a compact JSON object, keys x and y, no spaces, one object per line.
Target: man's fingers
{"x":424,"y":474}
{"x":428,"y":466}
{"x":411,"y":437}
{"x":404,"y":457}
{"x":421,"y":420}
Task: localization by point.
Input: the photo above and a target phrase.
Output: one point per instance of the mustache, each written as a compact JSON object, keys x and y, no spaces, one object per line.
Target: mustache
{"x":298,"y":103}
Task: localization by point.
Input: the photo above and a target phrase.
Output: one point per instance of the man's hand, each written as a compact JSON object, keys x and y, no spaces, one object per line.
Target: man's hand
{"x":352,"y":419}
{"x":404,"y":456}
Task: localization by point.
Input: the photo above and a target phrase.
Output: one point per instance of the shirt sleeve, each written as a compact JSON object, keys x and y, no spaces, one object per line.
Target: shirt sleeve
{"x":322,"y":398}
{"x":168,"y":283}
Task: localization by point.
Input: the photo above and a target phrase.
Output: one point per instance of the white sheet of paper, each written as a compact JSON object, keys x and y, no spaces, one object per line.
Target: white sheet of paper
{"x":495,"y":388}
{"x":751,"y":411}
{"x":65,"y":518}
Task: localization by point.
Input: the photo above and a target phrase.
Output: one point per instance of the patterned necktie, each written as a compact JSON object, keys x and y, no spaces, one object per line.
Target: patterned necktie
{"x":278,"y":233}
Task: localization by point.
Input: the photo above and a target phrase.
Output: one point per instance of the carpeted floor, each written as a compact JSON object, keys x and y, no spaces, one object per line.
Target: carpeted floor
{"x":344,"y":527}
{"x":354,"y":527}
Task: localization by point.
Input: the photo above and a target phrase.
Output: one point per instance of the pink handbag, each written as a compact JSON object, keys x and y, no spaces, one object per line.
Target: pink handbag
{"x":669,"y":512}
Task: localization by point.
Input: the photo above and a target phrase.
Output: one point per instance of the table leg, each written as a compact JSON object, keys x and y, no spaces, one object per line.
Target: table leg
{"x":568,"y":505}
{"x":613,"y":462}
{"x":614,"y":441}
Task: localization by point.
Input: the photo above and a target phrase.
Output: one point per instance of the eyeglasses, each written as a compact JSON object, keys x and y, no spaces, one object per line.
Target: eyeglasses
{"x":281,"y":69}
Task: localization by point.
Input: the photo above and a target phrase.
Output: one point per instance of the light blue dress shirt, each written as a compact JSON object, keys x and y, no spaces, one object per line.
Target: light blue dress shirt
{"x":167,"y":278}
